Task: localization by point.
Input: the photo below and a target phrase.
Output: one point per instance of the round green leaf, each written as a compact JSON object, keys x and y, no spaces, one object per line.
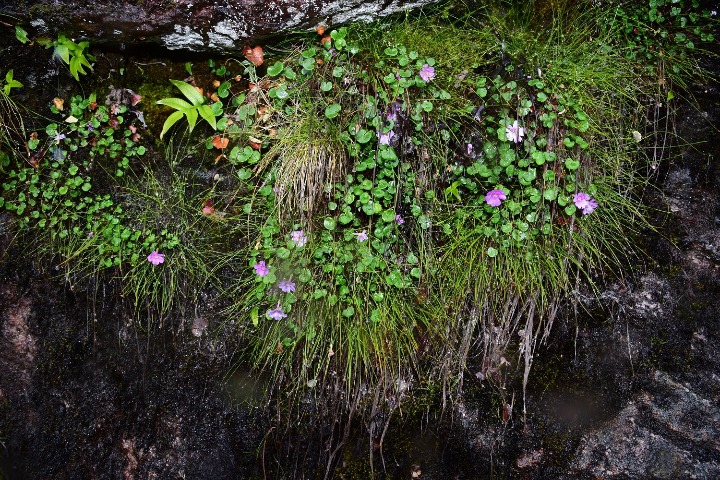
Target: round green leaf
{"x":572,"y":164}
{"x":276,"y":69}
{"x":332,"y":110}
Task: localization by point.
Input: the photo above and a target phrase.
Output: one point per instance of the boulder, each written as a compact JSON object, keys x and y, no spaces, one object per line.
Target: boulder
{"x":195,"y":25}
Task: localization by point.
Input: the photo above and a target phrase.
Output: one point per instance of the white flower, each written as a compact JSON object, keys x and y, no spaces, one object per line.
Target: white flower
{"x":514,"y":133}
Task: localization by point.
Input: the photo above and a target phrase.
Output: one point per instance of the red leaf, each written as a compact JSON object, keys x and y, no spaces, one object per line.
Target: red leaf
{"x":255,"y":55}
{"x":220,"y":142}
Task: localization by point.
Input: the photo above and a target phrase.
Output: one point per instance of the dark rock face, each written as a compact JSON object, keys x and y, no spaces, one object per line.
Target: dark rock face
{"x":77,"y":399}
{"x":197,"y":25}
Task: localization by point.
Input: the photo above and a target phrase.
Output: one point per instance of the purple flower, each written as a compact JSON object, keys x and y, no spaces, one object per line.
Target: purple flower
{"x":469,"y":149}
{"x":287,"y":286}
{"x":261,"y":269}
{"x":391,"y":116}
{"x":276,"y":313}
{"x":494,"y":197}
{"x":384,"y":139}
{"x":399,"y":220}
{"x":427,"y":73}
{"x":298,"y":237}
{"x":514,"y":133}
{"x":156,"y":258}
{"x":584,"y":202}
{"x":58,"y":137}
{"x":361,"y":237}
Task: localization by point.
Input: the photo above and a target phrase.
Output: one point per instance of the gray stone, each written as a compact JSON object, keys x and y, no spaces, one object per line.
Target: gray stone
{"x":670,"y":433}
{"x":196,"y":25}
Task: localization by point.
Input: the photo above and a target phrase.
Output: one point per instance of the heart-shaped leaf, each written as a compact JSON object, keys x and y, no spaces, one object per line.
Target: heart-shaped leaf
{"x":255,"y":55}
{"x":220,"y":142}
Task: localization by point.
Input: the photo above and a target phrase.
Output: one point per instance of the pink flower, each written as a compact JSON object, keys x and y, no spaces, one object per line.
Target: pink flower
{"x":495,"y":197}
{"x":298,"y":237}
{"x":399,"y":220}
{"x":287,"y":286}
{"x":584,"y":202}
{"x":276,"y":313}
{"x":514,"y":133}
{"x":156,"y":258}
{"x":361,"y":237}
{"x":427,"y":73}
{"x":261,"y":269}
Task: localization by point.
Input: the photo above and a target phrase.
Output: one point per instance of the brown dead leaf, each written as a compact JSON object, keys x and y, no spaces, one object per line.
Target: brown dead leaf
{"x":220,"y":142}
{"x":216,"y":83}
{"x":320,"y":29}
{"x":214,"y":97}
{"x":238,"y":78}
{"x":507,"y":412}
{"x":58,"y":102}
{"x":135,"y":99}
{"x":219,"y":157}
{"x":255,"y":55}
{"x":255,"y":143}
{"x":93,"y":106}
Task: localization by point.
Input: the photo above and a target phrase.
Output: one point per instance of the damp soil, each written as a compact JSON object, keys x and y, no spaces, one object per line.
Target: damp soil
{"x":87,"y":392}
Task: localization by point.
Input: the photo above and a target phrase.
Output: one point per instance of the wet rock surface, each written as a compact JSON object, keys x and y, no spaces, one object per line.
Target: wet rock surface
{"x":88,"y":397}
{"x":670,"y":425}
{"x":196,"y":25}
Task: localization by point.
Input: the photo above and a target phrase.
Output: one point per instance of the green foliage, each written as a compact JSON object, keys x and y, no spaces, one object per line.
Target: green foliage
{"x":661,"y":30}
{"x":10,"y":82}
{"x":21,"y":34}
{"x":54,"y":192}
{"x":75,"y":55}
{"x":190,"y":110}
